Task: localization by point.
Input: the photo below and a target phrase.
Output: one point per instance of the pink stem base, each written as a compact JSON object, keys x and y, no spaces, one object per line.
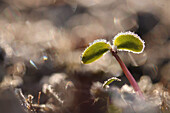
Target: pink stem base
{"x":128,"y":74}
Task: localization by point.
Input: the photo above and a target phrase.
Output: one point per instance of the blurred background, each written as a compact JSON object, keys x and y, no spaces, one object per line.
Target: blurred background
{"x":41,"y":42}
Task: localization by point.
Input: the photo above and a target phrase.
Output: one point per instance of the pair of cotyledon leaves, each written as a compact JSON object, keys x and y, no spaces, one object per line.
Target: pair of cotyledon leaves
{"x":127,"y":41}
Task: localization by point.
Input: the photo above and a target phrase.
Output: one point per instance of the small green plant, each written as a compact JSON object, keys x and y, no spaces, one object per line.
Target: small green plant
{"x":127,"y":41}
{"x":109,"y":81}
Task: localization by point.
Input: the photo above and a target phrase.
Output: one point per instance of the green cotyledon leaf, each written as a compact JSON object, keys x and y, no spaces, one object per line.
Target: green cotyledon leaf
{"x":95,"y":51}
{"x":129,"y":41}
{"x":109,"y":81}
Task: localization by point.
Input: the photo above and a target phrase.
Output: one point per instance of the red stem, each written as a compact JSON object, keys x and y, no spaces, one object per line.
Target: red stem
{"x":128,"y":74}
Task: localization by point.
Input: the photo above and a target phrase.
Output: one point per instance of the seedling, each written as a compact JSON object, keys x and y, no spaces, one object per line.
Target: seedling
{"x":109,"y":81}
{"x":127,"y":41}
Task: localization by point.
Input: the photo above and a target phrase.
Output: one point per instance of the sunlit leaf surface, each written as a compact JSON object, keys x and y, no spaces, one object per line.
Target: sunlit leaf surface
{"x":129,"y":41}
{"x":95,"y":51}
{"x":109,"y":81}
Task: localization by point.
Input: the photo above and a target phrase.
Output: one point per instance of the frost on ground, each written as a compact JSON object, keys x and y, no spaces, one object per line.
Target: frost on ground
{"x":41,"y":42}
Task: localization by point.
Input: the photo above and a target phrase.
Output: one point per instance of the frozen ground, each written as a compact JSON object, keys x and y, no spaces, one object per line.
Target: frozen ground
{"x":41,"y":42}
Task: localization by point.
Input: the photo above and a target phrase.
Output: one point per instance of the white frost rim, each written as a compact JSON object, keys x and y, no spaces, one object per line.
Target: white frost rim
{"x":95,"y":41}
{"x":130,"y":33}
